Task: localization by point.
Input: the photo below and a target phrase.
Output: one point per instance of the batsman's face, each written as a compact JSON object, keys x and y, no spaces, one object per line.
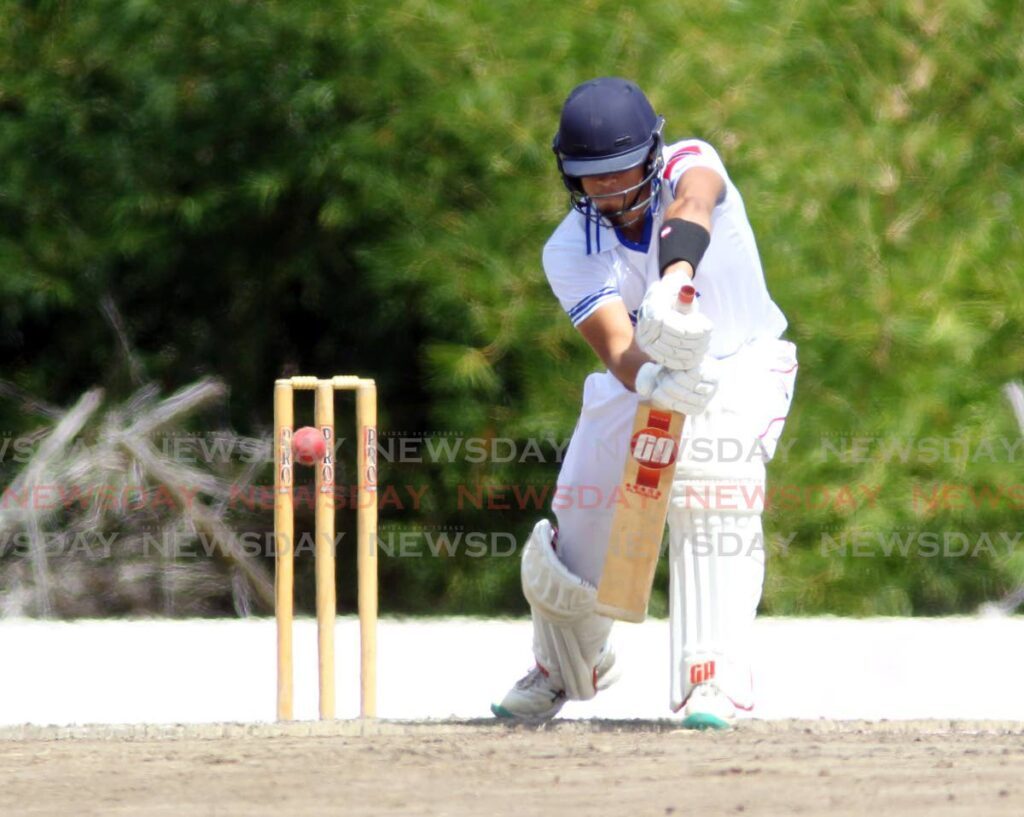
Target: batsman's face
{"x":613,"y":193}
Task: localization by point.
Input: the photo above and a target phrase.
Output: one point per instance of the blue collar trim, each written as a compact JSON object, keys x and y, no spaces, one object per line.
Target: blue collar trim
{"x":645,"y":242}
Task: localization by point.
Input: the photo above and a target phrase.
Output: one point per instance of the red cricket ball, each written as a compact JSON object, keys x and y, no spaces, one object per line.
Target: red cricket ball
{"x":308,"y":445}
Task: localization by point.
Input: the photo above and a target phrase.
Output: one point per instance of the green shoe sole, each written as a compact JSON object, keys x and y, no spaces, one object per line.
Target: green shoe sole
{"x":702,"y":720}
{"x":500,"y":712}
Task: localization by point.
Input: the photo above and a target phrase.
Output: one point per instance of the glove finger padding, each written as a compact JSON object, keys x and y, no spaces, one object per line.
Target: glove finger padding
{"x":688,"y":391}
{"x":676,"y":339}
{"x":674,"y":351}
{"x":686,"y":330}
{"x":707,"y":373}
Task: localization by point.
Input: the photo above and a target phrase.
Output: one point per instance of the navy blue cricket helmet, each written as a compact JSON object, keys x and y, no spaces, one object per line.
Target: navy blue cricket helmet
{"x":607,"y":126}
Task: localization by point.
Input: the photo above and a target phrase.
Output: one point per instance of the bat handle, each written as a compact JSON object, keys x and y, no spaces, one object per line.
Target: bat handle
{"x":684,"y":303}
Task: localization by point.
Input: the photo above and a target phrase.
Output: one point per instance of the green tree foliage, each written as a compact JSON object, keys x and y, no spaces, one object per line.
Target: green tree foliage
{"x":325,"y":187}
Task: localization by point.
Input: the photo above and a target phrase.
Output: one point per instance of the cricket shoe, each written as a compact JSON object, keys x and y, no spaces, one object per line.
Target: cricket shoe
{"x":534,"y":698}
{"x":708,"y":708}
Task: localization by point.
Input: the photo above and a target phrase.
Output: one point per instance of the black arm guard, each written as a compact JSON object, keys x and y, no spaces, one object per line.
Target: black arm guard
{"x":682,"y":240}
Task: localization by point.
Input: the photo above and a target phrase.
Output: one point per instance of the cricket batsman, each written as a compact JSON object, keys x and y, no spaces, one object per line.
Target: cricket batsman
{"x":648,"y":218}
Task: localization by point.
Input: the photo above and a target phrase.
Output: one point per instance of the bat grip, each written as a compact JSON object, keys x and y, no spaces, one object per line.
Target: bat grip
{"x":684,"y":303}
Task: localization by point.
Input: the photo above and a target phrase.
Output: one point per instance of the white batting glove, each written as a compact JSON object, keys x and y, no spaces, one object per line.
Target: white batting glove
{"x":685,"y":391}
{"x":677,"y":340}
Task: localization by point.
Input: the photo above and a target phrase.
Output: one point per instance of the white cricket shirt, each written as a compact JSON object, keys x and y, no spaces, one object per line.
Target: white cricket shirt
{"x":589,"y":265}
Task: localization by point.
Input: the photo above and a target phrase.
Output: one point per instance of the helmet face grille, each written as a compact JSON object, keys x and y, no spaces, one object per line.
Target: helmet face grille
{"x":587,"y":205}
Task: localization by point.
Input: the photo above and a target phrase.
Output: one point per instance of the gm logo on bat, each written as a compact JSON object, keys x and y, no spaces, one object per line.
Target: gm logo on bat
{"x":654,"y":448}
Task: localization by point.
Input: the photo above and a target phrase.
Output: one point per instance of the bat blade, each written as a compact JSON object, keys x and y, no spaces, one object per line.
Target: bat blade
{"x":641,"y":509}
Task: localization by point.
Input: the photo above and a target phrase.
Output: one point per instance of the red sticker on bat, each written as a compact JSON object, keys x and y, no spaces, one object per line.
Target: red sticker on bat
{"x":654,"y":448}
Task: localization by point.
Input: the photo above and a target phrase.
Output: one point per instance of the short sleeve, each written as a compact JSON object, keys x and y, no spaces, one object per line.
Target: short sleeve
{"x":582,"y":283}
{"x":683,"y":156}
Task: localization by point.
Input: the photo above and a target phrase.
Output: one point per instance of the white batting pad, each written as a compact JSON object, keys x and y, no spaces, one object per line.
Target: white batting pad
{"x":568,"y":635}
{"x":716,"y":571}
{"x":549,"y":585}
{"x":570,"y":652}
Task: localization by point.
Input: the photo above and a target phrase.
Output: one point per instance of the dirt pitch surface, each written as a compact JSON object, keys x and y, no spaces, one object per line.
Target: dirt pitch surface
{"x":485,"y":768}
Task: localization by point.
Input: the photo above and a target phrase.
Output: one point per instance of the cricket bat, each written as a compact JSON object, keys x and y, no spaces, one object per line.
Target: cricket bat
{"x":641,"y":507}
